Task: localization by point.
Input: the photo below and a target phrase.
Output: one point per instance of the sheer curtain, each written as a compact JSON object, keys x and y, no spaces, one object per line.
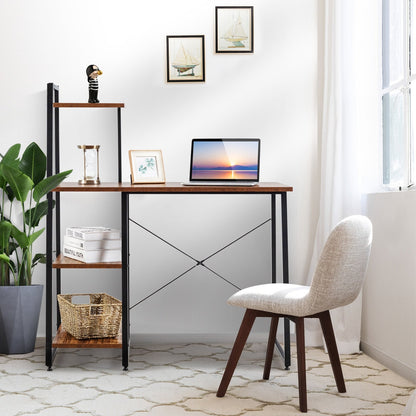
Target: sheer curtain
{"x":349,"y":134}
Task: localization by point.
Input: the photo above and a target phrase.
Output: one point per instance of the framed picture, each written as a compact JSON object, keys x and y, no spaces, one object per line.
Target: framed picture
{"x":146,"y":166}
{"x":234,"y":29}
{"x":185,"y":57}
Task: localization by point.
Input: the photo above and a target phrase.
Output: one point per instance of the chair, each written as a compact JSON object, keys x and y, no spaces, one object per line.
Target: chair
{"x":337,"y":281}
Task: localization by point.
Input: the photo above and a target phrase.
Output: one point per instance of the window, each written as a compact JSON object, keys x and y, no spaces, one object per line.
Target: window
{"x":399,"y":92}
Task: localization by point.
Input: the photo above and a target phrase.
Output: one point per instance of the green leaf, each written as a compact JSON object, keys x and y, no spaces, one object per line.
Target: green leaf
{"x":33,"y":163}
{"x":3,"y":181}
{"x":39,"y":258}
{"x":34,"y":215}
{"x":5,"y":258}
{"x":9,"y":192}
{"x":10,"y":158}
{"x":5,"y":231}
{"x":20,"y":183}
{"x":49,"y":183}
{"x":35,"y":235}
{"x":20,"y":237}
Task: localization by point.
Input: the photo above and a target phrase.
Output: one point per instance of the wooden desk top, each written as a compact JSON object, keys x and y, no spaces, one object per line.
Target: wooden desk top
{"x":173,"y":188}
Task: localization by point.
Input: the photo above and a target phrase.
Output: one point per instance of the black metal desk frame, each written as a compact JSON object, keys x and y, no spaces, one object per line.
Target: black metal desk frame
{"x":285,"y":351}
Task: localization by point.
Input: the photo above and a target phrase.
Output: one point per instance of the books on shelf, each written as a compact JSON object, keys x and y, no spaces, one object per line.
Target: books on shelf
{"x":92,"y":244}
{"x":104,"y":244}
{"x":92,"y":256}
{"x":93,"y":233}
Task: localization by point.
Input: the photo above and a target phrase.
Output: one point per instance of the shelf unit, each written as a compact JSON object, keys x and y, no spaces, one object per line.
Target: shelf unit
{"x":54,"y":266}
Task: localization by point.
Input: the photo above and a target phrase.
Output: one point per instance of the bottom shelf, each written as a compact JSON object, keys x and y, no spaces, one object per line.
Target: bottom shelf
{"x":64,"y":340}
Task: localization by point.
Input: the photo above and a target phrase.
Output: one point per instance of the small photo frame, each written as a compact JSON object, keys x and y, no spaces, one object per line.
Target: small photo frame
{"x":185,"y":57}
{"x":146,"y":166}
{"x":234,"y":29}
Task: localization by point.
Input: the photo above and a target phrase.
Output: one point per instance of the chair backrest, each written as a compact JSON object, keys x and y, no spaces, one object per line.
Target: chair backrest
{"x":340,"y":272}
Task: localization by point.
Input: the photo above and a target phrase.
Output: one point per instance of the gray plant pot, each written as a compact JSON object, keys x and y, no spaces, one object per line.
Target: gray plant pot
{"x":19,"y":318}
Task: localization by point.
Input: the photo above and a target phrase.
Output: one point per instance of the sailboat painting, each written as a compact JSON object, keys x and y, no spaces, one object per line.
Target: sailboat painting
{"x":234,"y":29}
{"x":185,"y":58}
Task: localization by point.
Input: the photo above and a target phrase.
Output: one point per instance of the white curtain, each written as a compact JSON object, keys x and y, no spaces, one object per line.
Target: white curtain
{"x":350,"y":129}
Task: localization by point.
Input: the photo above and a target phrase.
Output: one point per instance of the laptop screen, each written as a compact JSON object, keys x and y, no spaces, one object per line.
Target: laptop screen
{"x":225,"y":160}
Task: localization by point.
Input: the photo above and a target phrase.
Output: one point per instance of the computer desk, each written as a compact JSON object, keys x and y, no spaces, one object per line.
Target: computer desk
{"x":174,"y":188}
{"x":169,"y":188}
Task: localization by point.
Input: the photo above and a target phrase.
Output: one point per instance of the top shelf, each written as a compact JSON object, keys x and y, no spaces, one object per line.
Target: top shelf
{"x":94,"y":105}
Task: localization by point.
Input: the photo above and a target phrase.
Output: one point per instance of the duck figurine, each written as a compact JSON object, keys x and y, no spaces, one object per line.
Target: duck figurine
{"x":92,"y":73}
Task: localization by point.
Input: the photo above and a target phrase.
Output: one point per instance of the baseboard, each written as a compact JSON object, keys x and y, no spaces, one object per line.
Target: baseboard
{"x":390,"y":362}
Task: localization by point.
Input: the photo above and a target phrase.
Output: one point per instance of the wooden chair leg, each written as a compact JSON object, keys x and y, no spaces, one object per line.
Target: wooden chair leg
{"x":239,"y":343}
{"x":300,"y":346}
{"x":331,"y":344}
{"x":270,"y":347}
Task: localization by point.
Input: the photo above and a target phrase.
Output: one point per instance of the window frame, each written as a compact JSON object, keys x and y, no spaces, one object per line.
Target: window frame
{"x":402,"y":86}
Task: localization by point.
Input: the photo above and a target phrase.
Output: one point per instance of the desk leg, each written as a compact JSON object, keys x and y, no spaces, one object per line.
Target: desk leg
{"x":285,"y":257}
{"x":125,"y":289}
{"x":273,"y":238}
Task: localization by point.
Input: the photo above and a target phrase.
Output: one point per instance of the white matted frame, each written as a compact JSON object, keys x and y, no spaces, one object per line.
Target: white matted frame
{"x":146,"y":166}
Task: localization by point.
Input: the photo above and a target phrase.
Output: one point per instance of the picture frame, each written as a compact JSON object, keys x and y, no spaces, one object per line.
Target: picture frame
{"x":146,"y":166}
{"x":185,"y":58}
{"x":234,"y":31}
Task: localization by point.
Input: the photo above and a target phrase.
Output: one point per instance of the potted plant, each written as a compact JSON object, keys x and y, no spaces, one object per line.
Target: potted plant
{"x":22,"y":205}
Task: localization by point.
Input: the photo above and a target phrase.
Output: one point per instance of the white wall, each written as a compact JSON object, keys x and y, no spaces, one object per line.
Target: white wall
{"x":389,"y":296}
{"x":271,"y":94}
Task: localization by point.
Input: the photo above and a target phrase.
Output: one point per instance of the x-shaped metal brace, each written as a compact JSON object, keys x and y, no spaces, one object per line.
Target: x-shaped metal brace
{"x":197,"y":262}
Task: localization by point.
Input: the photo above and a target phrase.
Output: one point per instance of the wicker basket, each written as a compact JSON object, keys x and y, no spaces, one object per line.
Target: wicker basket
{"x":99,"y":319}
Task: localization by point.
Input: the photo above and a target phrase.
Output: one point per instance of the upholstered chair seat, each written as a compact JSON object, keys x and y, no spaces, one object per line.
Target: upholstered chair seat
{"x":337,"y":281}
{"x":284,"y":299}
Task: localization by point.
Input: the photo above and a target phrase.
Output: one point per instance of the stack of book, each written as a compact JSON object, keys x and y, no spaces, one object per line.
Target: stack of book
{"x":92,"y":244}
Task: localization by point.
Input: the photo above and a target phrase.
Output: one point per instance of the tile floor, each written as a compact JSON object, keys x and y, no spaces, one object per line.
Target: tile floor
{"x":181,"y":380}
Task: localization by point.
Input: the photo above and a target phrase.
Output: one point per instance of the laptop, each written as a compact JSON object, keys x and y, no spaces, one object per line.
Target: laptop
{"x":225,"y":162}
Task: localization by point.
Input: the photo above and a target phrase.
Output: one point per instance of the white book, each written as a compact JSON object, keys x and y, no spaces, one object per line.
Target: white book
{"x":92,"y":244}
{"x":92,"y":256}
{"x":93,"y":233}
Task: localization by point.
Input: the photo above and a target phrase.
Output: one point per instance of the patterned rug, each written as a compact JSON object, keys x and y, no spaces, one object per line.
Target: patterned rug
{"x":181,"y":380}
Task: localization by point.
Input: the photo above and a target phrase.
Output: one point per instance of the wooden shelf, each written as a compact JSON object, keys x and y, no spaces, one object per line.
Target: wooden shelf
{"x":84,"y":105}
{"x":63,"y":262}
{"x":64,"y":340}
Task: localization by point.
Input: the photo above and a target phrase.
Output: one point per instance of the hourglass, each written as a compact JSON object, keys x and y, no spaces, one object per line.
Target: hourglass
{"x":91,"y":165}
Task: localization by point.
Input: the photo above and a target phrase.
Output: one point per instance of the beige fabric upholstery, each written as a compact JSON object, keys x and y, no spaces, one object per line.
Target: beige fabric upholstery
{"x":337,"y":280}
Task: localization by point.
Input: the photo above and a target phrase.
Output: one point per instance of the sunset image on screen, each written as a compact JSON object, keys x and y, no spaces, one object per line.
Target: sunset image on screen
{"x":225,"y":160}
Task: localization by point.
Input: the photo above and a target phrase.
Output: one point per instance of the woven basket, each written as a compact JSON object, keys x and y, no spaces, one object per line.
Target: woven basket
{"x":99,"y":319}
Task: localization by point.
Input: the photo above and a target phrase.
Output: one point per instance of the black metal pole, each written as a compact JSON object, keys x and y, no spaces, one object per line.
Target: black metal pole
{"x":57,"y":209}
{"x":273,"y":216}
{"x":285,"y":248}
{"x":58,"y":251}
{"x":119,"y":144}
{"x":285,"y":258}
{"x":49,"y":226}
{"x":125,"y":289}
